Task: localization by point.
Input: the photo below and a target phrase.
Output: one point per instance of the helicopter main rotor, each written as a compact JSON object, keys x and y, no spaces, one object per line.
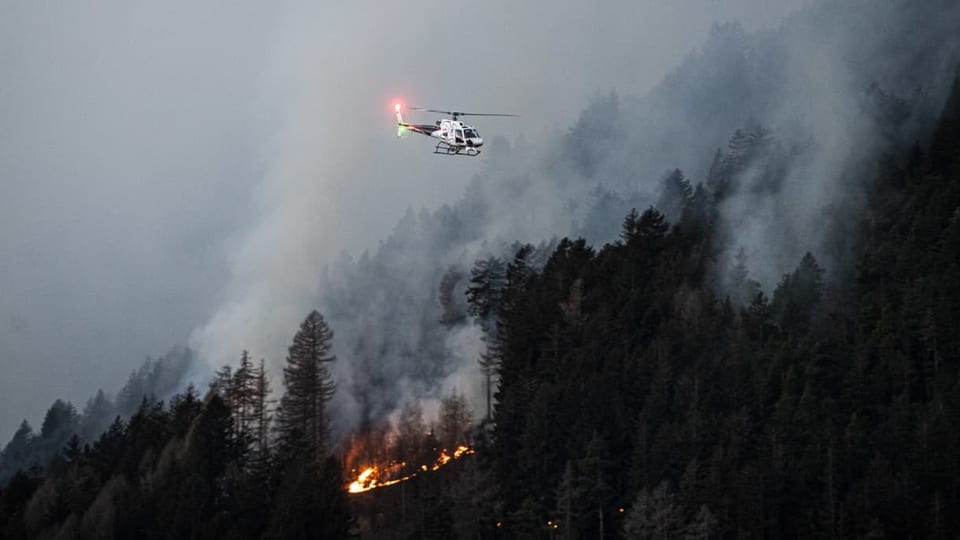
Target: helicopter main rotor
{"x":456,"y":114}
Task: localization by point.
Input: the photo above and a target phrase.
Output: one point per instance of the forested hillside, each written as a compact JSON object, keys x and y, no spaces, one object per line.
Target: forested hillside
{"x":760,"y":340}
{"x":633,"y":401}
{"x":802,"y":112}
{"x":154,"y":379}
{"x":822,"y":411}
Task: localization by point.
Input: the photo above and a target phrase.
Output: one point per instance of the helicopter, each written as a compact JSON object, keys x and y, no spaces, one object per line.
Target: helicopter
{"x":456,"y":138}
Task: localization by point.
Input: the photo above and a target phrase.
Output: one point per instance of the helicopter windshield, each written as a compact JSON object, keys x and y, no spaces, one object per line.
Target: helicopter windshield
{"x":470,"y":134}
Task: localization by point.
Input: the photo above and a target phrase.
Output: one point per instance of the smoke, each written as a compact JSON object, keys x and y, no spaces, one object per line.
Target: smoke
{"x":805,"y":84}
{"x":336,"y":179}
{"x":225,"y":171}
{"x":128,"y":148}
{"x":170,"y":168}
{"x":845,"y":83}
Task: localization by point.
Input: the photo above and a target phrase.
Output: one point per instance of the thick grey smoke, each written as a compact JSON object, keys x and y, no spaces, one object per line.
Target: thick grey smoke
{"x":820,"y":99}
{"x":836,"y":87}
{"x":130,"y":137}
{"x":336,"y":180}
{"x":175,"y":167}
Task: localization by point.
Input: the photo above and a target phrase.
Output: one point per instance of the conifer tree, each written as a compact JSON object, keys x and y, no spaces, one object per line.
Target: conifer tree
{"x":484,"y":293}
{"x":261,"y":415}
{"x":410,"y":432}
{"x":743,"y":289}
{"x":630,"y":226}
{"x":455,"y":419}
{"x":798,"y":294}
{"x":243,"y":396}
{"x":655,"y":515}
{"x":675,"y":195}
{"x":454,"y":311}
{"x":18,"y":452}
{"x":97,"y":415}
{"x":301,"y":417}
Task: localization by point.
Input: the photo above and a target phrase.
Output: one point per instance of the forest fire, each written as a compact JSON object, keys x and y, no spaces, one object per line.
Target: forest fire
{"x":365,"y":481}
{"x":386,"y":452}
{"x":373,"y":477}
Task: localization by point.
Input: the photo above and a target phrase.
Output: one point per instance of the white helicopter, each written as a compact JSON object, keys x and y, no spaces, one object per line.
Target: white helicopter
{"x":456,"y":138}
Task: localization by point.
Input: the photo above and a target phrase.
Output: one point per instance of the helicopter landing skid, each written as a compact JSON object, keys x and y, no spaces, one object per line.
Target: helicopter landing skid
{"x":446,"y":149}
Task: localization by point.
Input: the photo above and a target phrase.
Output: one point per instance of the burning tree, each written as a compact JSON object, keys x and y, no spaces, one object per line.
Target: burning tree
{"x":455,"y":420}
{"x":410,"y":434}
{"x":383,"y":456}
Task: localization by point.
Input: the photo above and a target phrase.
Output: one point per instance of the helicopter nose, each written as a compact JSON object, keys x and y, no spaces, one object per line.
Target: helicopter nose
{"x":478,"y":142}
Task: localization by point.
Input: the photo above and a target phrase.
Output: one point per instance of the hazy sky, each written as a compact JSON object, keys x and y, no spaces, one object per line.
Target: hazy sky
{"x":158,"y":159}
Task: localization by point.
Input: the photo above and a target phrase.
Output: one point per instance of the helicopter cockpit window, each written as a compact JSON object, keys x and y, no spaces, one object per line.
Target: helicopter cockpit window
{"x":459,"y":133}
{"x":470,"y":134}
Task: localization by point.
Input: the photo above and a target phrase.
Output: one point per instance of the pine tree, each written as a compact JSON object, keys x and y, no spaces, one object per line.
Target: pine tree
{"x":798,"y":294}
{"x":652,"y":225}
{"x":301,"y":417}
{"x":455,"y":419}
{"x":675,"y":195}
{"x":97,"y":415}
{"x":517,"y":273}
{"x":717,"y":179}
{"x":630,"y":228}
{"x":698,"y":215}
{"x":946,"y":137}
{"x":18,"y":452}
{"x":311,"y":503}
{"x":210,"y":440}
{"x":454,"y":312}
{"x":60,"y":420}
{"x":570,"y":496}
{"x":742,"y":289}
{"x":483,"y":295}
{"x":261,"y":416}
{"x":243,"y":391}
{"x":410,"y":432}
{"x":655,"y":515}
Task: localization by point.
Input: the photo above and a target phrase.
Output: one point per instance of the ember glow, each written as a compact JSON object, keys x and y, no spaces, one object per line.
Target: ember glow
{"x":373,"y":477}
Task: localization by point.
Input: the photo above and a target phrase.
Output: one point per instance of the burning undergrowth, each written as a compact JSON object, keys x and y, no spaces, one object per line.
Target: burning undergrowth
{"x":383,"y":475}
{"x":385,"y":453}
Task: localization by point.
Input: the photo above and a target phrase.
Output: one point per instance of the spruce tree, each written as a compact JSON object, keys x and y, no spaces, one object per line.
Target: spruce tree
{"x":301,"y":417}
{"x":243,"y":393}
{"x":410,"y":432}
{"x":675,"y":195}
{"x":455,"y":419}
{"x":485,"y":290}
{"x":261,"y":415}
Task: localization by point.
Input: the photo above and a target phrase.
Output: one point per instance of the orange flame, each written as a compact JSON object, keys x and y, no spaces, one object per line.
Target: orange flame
{"x":364,"y":481}
{"x":369,"y":478}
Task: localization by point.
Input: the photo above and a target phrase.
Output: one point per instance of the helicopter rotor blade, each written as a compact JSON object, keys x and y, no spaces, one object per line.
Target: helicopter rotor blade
{"x":458,"y":113}
{"x":485,"y":114}
{"x":438,"y":111}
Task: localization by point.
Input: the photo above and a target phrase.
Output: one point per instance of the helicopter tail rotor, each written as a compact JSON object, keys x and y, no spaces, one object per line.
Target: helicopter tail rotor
{"x":400,"y":126}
